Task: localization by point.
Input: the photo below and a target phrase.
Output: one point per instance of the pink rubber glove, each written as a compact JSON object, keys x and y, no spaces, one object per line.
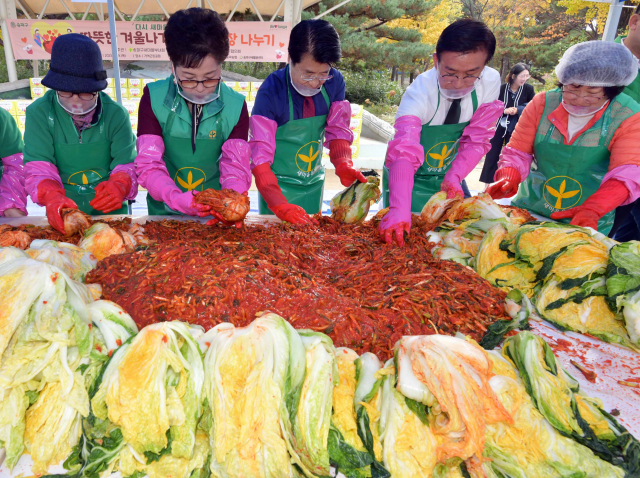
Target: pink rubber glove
{"x":235,"y":165}
{"x":36,"y":171}
{"x":262,"y":140}
{"x":405,"y":146}
{"x":338,"y":123}
{"x":398,"y":220}
{"x":452,"y":189}
{"x":12,"y":192}
{"x":475,"y":142}
{"x":516,"y":159}
{"x":153,"y":175}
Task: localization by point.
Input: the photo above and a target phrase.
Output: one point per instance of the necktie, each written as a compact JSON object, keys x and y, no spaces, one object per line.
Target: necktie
{"x":308,"y":107}
{"x":453,"y":115}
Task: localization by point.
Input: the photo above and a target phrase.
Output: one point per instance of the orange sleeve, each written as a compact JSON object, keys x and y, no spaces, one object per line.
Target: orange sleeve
{"x":525,"y":133}
{"x":625,"y":144}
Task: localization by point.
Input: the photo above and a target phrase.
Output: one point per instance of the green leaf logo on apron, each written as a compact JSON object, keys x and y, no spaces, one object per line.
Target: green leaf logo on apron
{"x":84,"y":177}
{"x":307,"y":156}
{"x":562,"y":192}
{"x":441,"y":155}
{"x":189,"y":179}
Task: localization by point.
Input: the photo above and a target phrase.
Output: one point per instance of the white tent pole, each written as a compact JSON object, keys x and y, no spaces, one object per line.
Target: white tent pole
{"x":115,"y":7}
{"x":613,"y":19}
{"x":8,"y":51}
{"x":275,"y":14}
{"x":233,"y":11}
{"x":44,"y":9}
{"x":67,"y":9}
{"x":332,"y":9}
{"x":133,"y":18}
{"x":86,"y":12}
{"x":24,"y":10}
{"x":114,"y":50}
{"x":257,"y":11}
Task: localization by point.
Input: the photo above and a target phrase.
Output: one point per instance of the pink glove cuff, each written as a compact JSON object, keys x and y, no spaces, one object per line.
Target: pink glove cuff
{"x":153,"y":175}
{"x":475,"y":141}
{"x":130,"y":170}
{"x":262,"y":140}
{"x":235,"y":165}
{"x":12,"y":192}
{"x":629,"y":174}
{"x":338,"y":123}
{"x":36,"y":171}
{"x":405,"y":146}
{"x":514,"y":158}
{"x":401,"y":177}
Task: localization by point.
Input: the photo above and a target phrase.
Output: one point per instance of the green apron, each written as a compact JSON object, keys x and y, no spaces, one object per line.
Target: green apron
{"x":564,"y":176}
{"x":189,"y":170}
{"x":95,"y":163}
{"x":298,"y":160}
{"x":440,"y":143}
{"x":633,"y":90}
{"x":82,"y":167}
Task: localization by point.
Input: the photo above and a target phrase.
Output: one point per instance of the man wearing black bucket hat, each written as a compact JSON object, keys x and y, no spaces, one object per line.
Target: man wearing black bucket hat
{"x":79,"y":146}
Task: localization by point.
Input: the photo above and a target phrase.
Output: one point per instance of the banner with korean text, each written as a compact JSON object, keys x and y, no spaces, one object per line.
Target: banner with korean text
{"x":249,"y":41}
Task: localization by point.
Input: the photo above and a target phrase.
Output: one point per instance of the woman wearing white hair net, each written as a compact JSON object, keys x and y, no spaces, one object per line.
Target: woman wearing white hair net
{"x":582,"y":138}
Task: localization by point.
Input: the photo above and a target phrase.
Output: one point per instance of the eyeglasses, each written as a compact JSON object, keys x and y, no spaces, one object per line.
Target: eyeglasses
{"x":82,"y":96}
{"x":191,"y":84}
{"x":316,"y":78}
{"x":573,"y":95}
{"x":467,"y":80}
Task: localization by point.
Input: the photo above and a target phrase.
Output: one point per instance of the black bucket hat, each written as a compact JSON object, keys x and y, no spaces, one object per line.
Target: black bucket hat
{"x":76,"y":65}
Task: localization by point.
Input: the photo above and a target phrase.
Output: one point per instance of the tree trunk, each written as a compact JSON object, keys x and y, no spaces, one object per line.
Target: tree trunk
{"x":505,"y":67}
{"x":394,"y":72}
{"x":402,"y":78}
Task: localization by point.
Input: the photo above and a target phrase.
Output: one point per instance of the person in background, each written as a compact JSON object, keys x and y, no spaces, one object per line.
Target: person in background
{"x":79,"y":147}
{"x":626,"y":226}
{"x":192,"y":128}
{"x":295,"y":109}
{"x":13,"y":197}
{"x":444,"y":125}
{"x":585,"y":137}
{"x":515,"y":94}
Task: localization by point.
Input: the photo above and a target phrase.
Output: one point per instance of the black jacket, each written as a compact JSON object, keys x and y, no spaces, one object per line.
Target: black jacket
{"x":519,"y":99}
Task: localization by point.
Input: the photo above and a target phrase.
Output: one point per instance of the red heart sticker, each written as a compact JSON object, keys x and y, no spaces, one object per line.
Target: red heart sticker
{"x":24,"y":40}
{"x":281,"y":45}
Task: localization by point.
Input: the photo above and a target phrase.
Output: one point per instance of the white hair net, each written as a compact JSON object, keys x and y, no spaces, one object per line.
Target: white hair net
{"x":597,"y":63}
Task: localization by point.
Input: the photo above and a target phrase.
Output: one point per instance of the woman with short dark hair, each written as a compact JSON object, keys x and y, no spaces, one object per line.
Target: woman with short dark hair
{"x":192,"y":128}
{"x":515,"y":94}
{"x":297,"y":110}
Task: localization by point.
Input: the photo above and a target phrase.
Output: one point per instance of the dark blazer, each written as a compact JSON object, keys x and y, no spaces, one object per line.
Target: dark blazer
{"x":521,"y":98}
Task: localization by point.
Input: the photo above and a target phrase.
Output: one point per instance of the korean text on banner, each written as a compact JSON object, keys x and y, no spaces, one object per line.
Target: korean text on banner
{"x":248,"y":41}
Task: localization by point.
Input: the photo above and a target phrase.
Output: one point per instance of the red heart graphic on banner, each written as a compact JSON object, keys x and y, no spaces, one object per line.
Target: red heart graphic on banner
{"x":24,"y":40}
{"x":281,"y":45}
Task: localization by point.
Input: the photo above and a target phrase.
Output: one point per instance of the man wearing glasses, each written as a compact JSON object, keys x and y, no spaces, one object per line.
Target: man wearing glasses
{"x":574,"y":153}
{"x":79,"y":147}
{"x":192,"y":128}
{"x":297,"y":110}
{"x":444,"y":126}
